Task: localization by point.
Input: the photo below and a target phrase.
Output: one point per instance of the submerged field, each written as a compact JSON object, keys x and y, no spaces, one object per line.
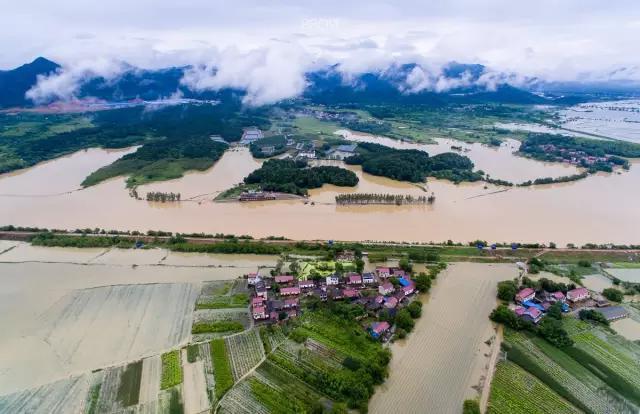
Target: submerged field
{"x":444,"y":361}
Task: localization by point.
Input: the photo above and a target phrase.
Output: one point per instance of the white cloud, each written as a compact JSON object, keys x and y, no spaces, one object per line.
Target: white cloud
{"x":551,"y":40}
{"x":66,"y":82}
{"x":267,"y":75}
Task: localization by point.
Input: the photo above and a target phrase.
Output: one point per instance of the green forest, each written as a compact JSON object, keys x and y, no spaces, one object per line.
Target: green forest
{"x":295,"y":177}
{"x":412,"y":165}
{"x":27,"y":139}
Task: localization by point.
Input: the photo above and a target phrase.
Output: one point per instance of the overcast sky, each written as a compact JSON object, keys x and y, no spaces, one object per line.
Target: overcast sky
{"x":551,"y":39}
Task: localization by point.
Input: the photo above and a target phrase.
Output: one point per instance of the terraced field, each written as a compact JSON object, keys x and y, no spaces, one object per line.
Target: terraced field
{"x":515,"y":391}
{"x":565,"y":375}
{"x":245,"y":352}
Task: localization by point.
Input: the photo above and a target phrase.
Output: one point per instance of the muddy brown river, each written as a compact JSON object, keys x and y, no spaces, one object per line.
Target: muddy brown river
{"x":601,"y":208}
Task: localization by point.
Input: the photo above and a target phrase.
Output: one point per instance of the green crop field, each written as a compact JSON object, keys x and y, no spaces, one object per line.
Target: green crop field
{"x":171,"y":370}
{"x":513,"y":391}
{"x":221,"y":367}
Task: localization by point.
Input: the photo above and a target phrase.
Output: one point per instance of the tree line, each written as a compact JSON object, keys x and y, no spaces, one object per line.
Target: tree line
{"x":162,"y":197}
{"x":370,"y":198}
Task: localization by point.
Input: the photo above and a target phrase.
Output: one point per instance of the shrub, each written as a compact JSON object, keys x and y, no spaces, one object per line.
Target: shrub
{"x":613,"y":294}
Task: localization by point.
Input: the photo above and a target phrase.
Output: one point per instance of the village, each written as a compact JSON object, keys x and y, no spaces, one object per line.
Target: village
{"x":532,"y":305}
{"x":382,"y":292}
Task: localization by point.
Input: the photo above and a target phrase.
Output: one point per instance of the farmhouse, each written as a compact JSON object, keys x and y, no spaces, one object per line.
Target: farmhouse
{"x":409,"y":289}
{"x":576,"y":295}
{"x":290,"y":291}
{"x":383,"y":272}
{"x":261,"y":290}
{"x":391,"y":303}
{"x":368,"y":278}
{"x":525,"y":295}
{"x":332,"y":280}
{"x":377,"y":329}
{"x":307,"y":284}
{"x":613,"y":313}
{"x":354,"y":279}
{"x":350,"y":293}
{"x":257,"y":301}
{"x":291,"y":303}
{"x":252,"y":278}
{"x":531,"y":314}
{"x":259,"y":312}
{"x":284,"y":279}
{"x":386,"y":288}
{"x":342,"y":152}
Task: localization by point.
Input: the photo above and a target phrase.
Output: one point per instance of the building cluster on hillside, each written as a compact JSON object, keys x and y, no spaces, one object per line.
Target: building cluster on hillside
{"x":532,"y":305}
{"x":331,"y":116}
{"x":277,"y":298}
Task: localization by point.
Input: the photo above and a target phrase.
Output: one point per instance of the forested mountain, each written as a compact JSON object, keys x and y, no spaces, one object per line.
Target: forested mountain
{"x":327,"y":86}
{"x":16,"y":82}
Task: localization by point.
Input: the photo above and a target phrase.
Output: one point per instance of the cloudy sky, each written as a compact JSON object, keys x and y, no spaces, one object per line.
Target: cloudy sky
{"x":551,"y":39}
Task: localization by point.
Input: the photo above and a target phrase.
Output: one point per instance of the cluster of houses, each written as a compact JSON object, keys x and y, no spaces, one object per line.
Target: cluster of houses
{"x":277,"y":298}
{"x":574,"y":157}
{"x":532,"y":306}
{"x":251,"y":135}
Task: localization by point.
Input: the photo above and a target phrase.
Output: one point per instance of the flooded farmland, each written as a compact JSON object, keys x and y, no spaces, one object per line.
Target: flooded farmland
{"x":67,"y":311}
{"x":444,"y":360}
{"x":558,"y":212}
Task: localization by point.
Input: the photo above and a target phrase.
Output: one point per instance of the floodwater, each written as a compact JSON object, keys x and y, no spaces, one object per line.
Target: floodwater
{"x":616,"y":119}
{"x":627,"y":327}
{"x":64,"y":312}
{"x":601,"y":208}
{"x":444,"y":360}
{"x":626,"y":275}
{"x":596,"y":282}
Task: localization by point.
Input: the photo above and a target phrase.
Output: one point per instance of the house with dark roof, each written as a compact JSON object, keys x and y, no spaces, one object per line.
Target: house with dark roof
{"x":368,"y":278}
{"x":307,"y":284}
{"x":613,"y":313}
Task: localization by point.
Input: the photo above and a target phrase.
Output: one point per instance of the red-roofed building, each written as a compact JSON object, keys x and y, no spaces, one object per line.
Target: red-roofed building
{"x":520,"y":310}
{"x":378,"y":329}
{"x":532,"y":314}
{"x":350,"y":293}
{"x":391,"y":303}
{"x":259,"y":312}
{"x":354,"y":279}
{"x":257,"y":301}
{"x":386,"y":288}
{"x":407,"y":290}
{"x":284,"y":279}
{"x":578,"y":294}
{"x":379,"y":299}
{"x":525,"y":295}
{"x":289,"y":291}
{"x":383,"y":272}
{"x":557,"y":296}
{"x":291,"y":303}
{"x":307,"y":284}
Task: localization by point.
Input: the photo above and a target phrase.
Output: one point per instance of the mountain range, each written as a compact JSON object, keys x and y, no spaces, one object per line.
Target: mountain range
{"x":326,"y":86}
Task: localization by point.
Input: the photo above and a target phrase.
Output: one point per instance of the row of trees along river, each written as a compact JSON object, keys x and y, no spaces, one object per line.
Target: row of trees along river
{"x":397,"y":199}
{"x":162,"y":197}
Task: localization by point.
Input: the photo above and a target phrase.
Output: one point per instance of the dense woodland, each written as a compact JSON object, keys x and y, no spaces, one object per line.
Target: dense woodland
{"x":295,"y":177}
{"x":27,"y":139}
{"x":412,"y":165}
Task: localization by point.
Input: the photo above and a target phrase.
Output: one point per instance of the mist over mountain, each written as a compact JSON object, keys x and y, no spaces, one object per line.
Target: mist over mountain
{"x":43,"y":81}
